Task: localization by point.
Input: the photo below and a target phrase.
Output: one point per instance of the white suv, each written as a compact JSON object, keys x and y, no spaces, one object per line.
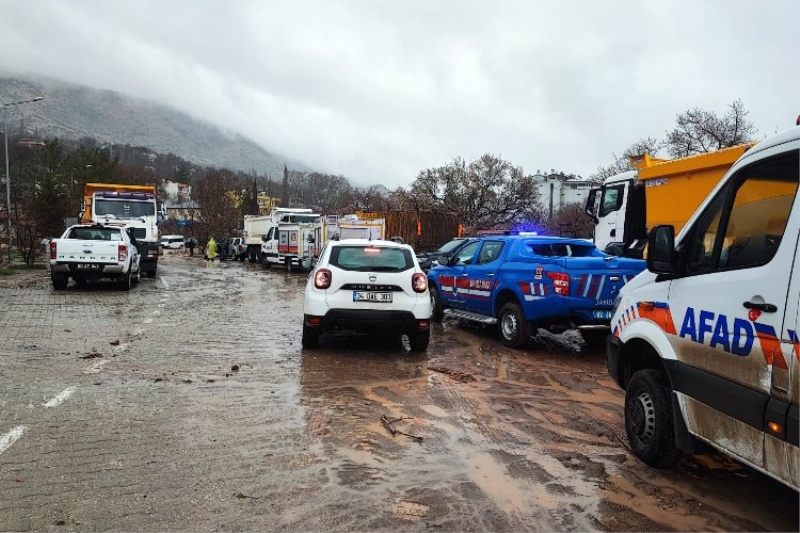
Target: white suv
{"x":367,"y":286}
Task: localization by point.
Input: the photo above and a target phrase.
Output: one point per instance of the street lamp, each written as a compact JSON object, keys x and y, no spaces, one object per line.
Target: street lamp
{"x":8,"y":174}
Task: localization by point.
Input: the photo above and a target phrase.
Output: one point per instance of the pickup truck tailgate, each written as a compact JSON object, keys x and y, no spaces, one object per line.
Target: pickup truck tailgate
{"x":595,"y":282}
{"x":78,"y":251}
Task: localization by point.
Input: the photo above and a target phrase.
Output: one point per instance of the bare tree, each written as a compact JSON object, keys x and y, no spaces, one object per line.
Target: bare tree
{"x":374,"y":198}
{"x":219,"y":196}
{"x":571,"y":221}
{"x":700,"y":131}
{"x":622,"y":163}
{"x":486,"y":193}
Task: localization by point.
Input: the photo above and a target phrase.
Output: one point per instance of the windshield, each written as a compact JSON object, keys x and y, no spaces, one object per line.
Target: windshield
{"x":301,"y":218}
{"x":124,"y":208}
{"x":450,"y":246}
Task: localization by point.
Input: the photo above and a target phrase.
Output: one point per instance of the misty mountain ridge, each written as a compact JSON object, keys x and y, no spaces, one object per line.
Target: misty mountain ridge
{"x":75,"y":111}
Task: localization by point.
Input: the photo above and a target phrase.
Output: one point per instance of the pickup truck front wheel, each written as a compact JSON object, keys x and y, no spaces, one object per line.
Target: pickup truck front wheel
{"x":512,"y":326}
{"x":648,"y":419}
{"x":60,"y":281}
{"x":437,"y":310}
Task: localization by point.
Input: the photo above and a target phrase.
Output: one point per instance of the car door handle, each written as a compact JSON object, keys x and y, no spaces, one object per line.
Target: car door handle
{"x":767,"y":308}
{"x":490,"y":274}
{"x":465,"y":274}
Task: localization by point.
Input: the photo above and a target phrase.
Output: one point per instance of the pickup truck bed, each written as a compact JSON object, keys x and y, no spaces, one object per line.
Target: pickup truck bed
{"x":523,"y":283}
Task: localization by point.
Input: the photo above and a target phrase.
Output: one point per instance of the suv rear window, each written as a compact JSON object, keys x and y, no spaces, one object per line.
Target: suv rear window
{"x":562,"y":250}
{"x":371,"y":258}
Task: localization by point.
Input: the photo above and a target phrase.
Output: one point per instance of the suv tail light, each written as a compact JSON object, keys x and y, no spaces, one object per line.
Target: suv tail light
{"x":560,"y":282}
{"x":322,"y":278}
{"x":53,"y":250}
{"x":123,"y":253}
{"x":419,"y":282}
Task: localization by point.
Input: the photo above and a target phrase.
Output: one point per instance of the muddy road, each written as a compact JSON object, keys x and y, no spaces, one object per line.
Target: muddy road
{"x":188,"y":404}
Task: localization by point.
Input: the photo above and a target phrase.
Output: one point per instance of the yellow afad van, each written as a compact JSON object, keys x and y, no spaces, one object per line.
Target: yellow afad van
{"x":705,"y":342}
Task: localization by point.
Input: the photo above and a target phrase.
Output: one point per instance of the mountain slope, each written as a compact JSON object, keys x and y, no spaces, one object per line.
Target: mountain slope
{"x":75,"y":111}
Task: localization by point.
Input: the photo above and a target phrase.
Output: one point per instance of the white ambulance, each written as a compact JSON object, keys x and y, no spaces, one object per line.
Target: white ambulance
{"x":705,"y":342}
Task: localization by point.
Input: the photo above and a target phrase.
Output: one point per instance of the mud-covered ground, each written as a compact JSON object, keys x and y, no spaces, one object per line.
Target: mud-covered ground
{"x":188,"y":404}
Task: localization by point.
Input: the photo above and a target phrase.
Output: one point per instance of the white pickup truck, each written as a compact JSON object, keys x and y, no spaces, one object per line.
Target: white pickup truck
{"x":89,"y":252}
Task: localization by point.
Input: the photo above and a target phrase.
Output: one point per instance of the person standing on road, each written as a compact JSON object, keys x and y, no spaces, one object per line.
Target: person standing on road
{"x":211,"y":249}
{"x":190,"y":244}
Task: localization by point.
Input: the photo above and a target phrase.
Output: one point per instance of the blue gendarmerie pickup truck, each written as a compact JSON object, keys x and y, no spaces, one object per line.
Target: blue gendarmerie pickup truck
{"x":524,"y":282}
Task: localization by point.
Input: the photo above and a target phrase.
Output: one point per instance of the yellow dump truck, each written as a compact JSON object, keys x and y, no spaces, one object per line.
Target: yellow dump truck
{"x":658,"y":191}
{"x":132,"y":206}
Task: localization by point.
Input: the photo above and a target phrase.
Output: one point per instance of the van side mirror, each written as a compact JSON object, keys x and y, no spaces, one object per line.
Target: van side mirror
{"x":443,"y":260}
{"x":661,"y":250}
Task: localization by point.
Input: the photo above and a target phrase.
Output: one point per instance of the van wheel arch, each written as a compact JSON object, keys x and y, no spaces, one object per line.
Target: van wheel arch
{"x":636,"y":355}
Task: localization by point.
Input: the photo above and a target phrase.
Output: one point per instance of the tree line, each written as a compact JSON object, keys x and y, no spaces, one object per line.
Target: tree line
{"x":489,"y":192}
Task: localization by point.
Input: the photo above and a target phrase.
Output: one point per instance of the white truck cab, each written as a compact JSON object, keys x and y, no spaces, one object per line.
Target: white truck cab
{"x":705,"y":342}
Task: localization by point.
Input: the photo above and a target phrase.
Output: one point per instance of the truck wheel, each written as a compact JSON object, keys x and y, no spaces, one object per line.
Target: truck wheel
{"x":242,"y":257}
{"x":594,"y":338}
{"x":137,"y":277}
{"x":512,"y":326}
{"x":264,"y":262}
{"x":310,"y":337}
{"x":252,"y":255}
{"x":437,"y":311}
{"x":419,"y":340}
{"x":648,"y":419}
{"x":60,"y":281}
{"x":124,"y":283}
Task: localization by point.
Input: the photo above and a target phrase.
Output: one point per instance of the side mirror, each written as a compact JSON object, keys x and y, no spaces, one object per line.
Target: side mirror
{"x":661,"y":250}
{"x":589,"y":209}
{"x":443,"y":260}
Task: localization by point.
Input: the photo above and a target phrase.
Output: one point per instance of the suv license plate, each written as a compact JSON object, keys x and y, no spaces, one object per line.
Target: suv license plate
{"x":87,"y":266}
{"x":601,"y":315}
{"x":379,"y":297}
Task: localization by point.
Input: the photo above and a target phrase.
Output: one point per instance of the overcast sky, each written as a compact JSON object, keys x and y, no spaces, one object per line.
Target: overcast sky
{"x":379,"y":90}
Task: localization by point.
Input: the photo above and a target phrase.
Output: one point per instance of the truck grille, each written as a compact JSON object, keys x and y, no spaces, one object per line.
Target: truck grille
{"x":140,"y":233}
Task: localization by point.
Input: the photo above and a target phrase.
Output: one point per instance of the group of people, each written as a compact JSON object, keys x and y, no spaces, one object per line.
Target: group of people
{"x":211,"y":251}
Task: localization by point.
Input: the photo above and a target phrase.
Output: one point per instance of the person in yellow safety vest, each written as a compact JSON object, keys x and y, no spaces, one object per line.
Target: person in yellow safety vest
{"x":211,"y":249}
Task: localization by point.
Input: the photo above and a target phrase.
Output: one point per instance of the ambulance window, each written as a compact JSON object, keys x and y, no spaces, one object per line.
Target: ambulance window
{"x":760,"y":211}
{"x":744,"y":225}
{"x":612,"y":200}
{"x":701,"y":252}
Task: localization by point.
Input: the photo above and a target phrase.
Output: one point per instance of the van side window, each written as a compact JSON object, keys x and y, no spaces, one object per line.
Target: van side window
{"x":743,"y":227}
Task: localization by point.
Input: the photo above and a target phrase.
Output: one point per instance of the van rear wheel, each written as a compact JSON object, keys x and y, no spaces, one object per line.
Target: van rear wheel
{"x":648,"y":419}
